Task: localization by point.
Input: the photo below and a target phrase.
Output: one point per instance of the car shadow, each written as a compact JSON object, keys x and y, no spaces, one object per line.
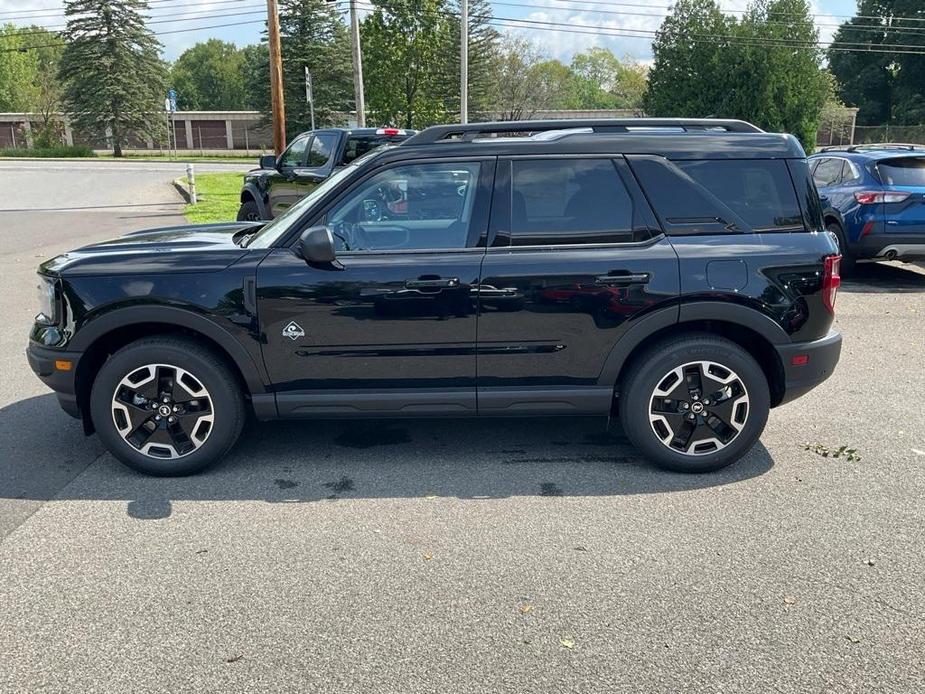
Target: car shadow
{"x":44,"y":455}
{"x":885,"y":277}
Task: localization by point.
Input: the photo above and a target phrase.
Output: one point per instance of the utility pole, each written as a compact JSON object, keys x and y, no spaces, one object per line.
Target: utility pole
{"x":277,"y":102}
{"x":357,"y":65}
{"x":464,"y":62}
{"x":309,"y":96}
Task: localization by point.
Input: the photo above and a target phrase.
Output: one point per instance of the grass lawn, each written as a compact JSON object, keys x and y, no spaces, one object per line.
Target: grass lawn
{"x":184,"y":157}
{"x":219,"y":196}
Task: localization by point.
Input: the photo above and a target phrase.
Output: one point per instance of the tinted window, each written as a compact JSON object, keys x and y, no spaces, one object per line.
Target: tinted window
{"x":902,"y":172}
{"x":566,"y":201}
{"x":321,"y":148}
{"x":420,"y":206}
{"x":294,"y":156}
{"x":847,"y":172}
{"x":358,"y":145}
{"x":758,"y":190}
{"x":828,"y":172}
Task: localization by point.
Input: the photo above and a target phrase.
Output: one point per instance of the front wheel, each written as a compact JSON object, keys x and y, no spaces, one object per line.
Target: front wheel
{"x":249,"y":212}
{"x":167,"y":406}
{"x":695,"y":403}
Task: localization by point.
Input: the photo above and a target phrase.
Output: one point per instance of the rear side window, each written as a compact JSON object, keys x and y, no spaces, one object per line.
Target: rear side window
{"x":569,"y":201}
{"x":758,"y":190}
{"x":827,"y":172}
{"x":902,"y":172}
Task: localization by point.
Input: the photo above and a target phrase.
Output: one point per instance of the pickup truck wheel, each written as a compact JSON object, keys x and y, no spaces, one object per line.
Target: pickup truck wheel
{"x":166,"y":406}
{"x":695,"y":403}
{"x":249,"y":212}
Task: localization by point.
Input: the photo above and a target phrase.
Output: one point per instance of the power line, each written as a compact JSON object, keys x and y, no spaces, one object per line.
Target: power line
{"x":586,"y":29}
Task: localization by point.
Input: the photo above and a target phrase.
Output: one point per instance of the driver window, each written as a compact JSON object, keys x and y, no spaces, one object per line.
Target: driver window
{"x":408,"y":207}
{"x":295,"y":155}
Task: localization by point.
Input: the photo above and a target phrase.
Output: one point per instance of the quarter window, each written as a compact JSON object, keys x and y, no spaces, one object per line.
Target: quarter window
{"x":416,"y":206}
{"x":569,"y":201}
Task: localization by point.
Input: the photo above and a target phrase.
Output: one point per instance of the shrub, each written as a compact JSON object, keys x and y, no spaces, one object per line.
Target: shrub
{"x":57,"y":151}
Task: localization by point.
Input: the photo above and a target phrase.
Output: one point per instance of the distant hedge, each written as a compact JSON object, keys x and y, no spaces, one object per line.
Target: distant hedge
{"x":51,"y":152}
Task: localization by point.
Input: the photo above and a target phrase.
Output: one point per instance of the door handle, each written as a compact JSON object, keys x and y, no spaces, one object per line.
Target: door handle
{"x":622,"y":279}
{"x":434,"y":283}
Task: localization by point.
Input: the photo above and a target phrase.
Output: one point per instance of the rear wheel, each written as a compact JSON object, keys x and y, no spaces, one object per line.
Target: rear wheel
{"x":695,"y":403}
{"x":167,"y":406}
{"x":847,"y":258}
{"x":249,"y":211}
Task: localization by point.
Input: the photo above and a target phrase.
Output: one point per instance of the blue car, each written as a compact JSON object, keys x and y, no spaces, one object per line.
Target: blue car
{"x":874,"y":200}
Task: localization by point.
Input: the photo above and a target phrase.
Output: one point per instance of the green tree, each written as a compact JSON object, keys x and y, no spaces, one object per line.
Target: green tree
{"x":313,"y":36}
{"x":112,"y":72}
{"x":558,"y":85}
{"x":764,"y":68}
{"x":209,"y":76}
{"x":28,"y":77}
{"x":405,"y":61}
{"x":606,"y":82}
{"x":887,"y":86}
{"x":484,"y":46}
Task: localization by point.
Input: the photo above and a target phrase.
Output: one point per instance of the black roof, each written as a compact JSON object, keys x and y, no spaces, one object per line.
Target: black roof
{"x":676,"y":138}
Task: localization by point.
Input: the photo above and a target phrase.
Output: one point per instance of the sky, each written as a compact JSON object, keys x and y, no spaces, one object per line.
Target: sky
{"x":182,"y":23}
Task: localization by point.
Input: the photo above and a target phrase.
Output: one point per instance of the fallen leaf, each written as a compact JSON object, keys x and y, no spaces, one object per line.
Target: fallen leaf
{"x":428,"y":557}
{"x":567,"y":643}
{"x":201,"y":551}
{"x":870,"y":562}
{"x":524,"y":609}
{"x":581,"y":548}
{"x":789,"y":600}
{"x":235,"y":658}
{"x":853,"y":639}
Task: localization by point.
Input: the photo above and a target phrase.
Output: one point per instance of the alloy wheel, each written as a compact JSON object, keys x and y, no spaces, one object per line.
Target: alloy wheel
{"x":162,"y":411}
{"x":698,"y":408}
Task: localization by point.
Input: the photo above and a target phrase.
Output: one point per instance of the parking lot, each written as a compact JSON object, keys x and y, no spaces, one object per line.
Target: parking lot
{"x":457,"y":556}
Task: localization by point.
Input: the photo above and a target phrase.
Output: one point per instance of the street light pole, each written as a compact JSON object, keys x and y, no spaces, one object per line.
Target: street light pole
{"x":277,"y":103}
{"x":464,"y":62}
{"x":357,"y":65}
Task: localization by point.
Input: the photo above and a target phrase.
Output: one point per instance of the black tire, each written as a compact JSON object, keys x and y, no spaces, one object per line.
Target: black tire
{"x":847,"y":257}
{"x":639,"y":400}
{"x":222,"y":401}
{"x":249,"y":211}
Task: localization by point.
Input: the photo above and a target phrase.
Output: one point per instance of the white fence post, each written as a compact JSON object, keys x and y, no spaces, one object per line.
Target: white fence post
{"x":191,"y":183}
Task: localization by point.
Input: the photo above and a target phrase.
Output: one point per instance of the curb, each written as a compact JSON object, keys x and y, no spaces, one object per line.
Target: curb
{"x":180,"y":185}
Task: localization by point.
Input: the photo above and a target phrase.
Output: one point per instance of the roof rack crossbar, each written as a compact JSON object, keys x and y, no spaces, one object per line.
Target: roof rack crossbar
{"x":471,"y":131}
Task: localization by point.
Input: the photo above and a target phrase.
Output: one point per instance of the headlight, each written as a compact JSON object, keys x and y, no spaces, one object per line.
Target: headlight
{"x":48,"y":301}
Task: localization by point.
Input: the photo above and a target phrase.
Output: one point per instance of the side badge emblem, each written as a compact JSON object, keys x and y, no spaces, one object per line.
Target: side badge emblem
{"x":293,"y":331}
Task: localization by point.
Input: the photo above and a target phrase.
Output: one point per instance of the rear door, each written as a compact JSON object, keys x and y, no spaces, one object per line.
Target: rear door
{"x":574,"y":257}
{"x":904,"y":213}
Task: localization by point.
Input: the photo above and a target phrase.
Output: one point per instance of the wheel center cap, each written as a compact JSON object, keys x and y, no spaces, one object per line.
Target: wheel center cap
{"x":697,"y":407}
{"x":163,"y":410}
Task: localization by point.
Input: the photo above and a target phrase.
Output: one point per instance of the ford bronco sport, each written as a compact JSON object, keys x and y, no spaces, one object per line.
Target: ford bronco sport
{"x":673,"y":273}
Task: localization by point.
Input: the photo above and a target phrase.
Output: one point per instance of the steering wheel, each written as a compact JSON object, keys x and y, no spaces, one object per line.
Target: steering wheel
{"x":351,"y":235}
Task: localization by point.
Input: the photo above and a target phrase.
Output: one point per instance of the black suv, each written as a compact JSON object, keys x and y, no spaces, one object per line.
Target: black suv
{"x":675,"y":273}
{"x":282,"y":181}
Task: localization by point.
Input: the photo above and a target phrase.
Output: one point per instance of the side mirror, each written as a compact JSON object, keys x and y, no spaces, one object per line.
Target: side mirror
{"x":317,"y":246}
{"x":267,"y":161}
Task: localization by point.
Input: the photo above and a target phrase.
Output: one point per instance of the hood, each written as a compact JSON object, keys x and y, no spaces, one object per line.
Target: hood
{"x":188,"y":248}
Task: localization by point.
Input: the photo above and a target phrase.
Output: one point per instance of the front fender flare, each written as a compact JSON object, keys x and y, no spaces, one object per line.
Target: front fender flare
{"x":250,"y":189}
{"x":119,"y":318}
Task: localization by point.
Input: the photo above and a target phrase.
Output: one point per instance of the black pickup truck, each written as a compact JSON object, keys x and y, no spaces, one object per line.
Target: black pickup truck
{"x":310,"y":158}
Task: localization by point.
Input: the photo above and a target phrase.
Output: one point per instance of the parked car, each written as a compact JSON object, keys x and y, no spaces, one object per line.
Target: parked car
{"x":874,"y":200}
{"x":282,"y":181}
{"x":439,"y":278}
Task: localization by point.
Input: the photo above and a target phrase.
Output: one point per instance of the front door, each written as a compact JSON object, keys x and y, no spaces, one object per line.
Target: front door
{"x":391,"y":327}
{"x":576,"y":255}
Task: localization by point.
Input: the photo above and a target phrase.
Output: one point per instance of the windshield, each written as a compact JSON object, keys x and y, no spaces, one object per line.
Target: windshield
{"x":278,"y":227}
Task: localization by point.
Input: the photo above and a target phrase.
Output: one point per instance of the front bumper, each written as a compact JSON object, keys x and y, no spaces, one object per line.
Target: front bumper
{"x":816,"y":361}
{"x":47,"y":363}
{"x":906,"y":247}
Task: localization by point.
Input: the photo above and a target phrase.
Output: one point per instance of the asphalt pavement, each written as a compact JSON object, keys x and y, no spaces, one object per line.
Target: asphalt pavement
{"x":457,"y":556}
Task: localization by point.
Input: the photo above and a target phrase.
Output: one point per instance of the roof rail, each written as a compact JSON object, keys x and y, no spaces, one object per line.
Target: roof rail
{"x":885,"y":145}
{"x":471,"y":131}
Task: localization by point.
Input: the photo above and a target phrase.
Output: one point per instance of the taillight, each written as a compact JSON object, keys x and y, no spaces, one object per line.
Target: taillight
{"x":831,"y":281}
{"x":390,"y":132}
{"x":869,"y":197}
